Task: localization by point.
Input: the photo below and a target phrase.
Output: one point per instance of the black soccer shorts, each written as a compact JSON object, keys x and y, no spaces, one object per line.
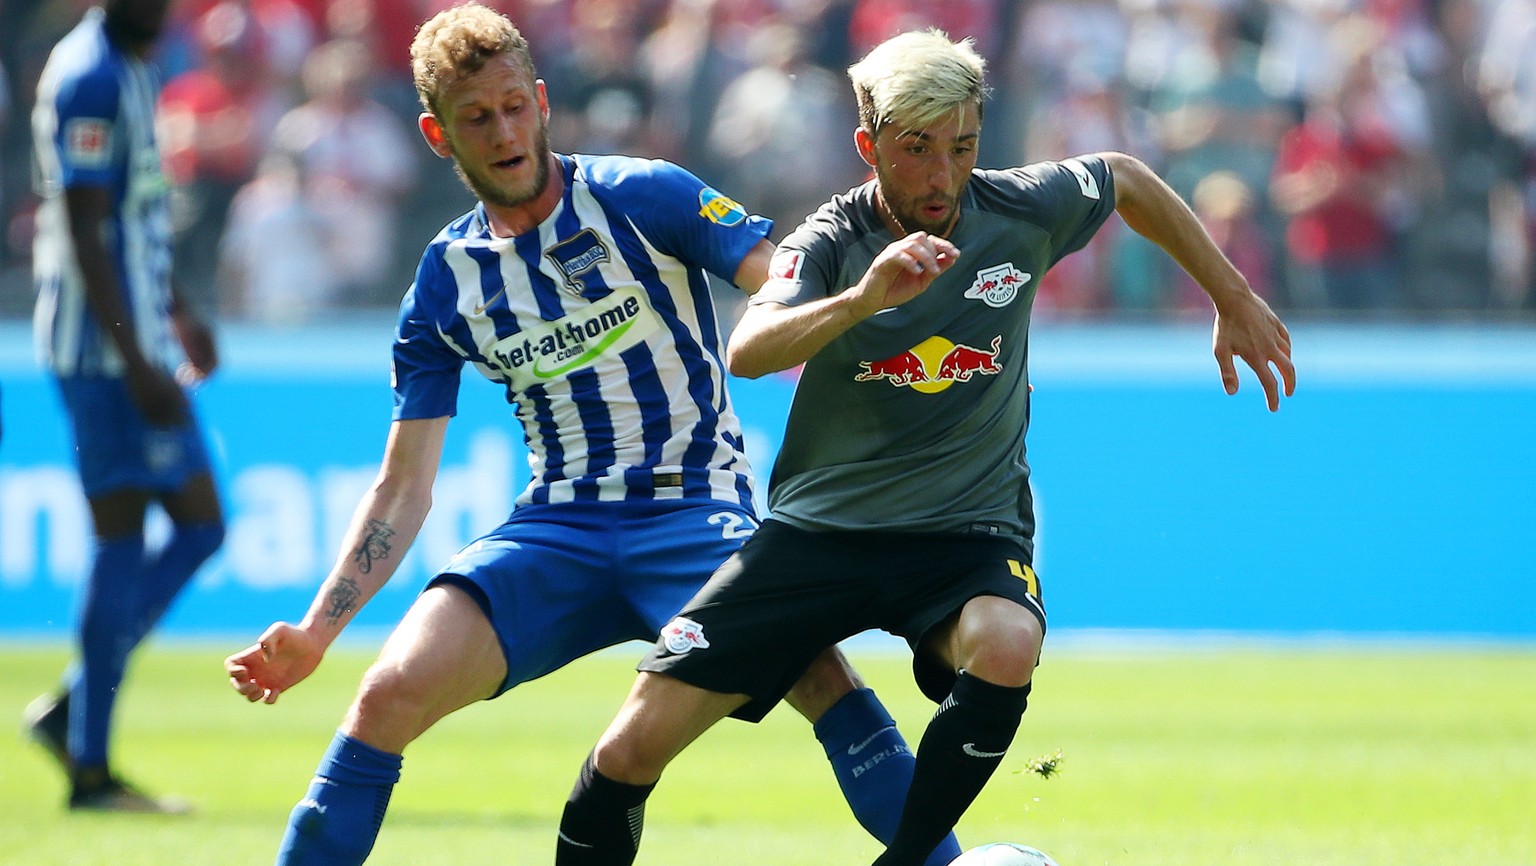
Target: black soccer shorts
{"x":790,"y":593}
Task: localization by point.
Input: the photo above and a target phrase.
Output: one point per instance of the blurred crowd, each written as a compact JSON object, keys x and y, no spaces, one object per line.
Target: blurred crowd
{"x":1355,"y":158}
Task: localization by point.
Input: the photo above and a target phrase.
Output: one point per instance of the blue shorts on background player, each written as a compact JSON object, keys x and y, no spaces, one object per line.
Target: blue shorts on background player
{"x":119,"y":342}
{"x":577,"y":286}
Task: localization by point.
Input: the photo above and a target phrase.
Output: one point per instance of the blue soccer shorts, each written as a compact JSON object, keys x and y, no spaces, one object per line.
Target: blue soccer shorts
{"x":115,"y":449}
{"x":560,"y":581}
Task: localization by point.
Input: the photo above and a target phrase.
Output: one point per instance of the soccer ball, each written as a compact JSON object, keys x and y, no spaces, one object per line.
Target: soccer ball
{"x":1003,"y":854}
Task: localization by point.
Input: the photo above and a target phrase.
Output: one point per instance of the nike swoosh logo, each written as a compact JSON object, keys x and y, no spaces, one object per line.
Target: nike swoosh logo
{"x":569,"y":841}
{"x":970,"y":749}
{"x":488,"y":301}
{"x":859,"y":747}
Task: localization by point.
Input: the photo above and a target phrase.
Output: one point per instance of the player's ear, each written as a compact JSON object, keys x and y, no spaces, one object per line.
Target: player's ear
{"x":543,"y":97}
{"x":432,"y":130}
{"x":865,"y":144}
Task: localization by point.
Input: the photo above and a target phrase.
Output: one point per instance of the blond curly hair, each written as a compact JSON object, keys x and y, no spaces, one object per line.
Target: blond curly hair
{"x":457,"y":43}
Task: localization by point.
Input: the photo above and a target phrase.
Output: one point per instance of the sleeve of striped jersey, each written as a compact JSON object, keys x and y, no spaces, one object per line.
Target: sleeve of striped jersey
{"x":88,"y":108}
{"x":693,"y":222}
{"x":424,"y":370}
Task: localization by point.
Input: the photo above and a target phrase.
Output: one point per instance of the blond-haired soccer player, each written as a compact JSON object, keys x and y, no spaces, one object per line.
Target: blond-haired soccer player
{"x":901,"y":499}
{"x":577,"y":287}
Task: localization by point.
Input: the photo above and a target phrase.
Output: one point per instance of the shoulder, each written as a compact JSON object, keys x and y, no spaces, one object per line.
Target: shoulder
{"x":1085,"y":172}
{"x":839,"y":221}
{"x":655,"y":192}
{"x":1033,"y":191}
{"x":467,"y":227}
{"x":630,"y":176}
{"x":84,"y":62}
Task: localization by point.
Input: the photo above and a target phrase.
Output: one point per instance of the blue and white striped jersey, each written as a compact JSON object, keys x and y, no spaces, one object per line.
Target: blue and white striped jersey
{"x":93,"y":125}
{"x":601,"y":328}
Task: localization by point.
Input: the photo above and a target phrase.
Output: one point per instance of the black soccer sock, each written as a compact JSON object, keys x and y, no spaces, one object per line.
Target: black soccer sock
{"x":964,"y":744}
{"x":602,"y":821}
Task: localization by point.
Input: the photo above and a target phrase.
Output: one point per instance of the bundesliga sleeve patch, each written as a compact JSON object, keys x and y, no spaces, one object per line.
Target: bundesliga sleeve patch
{"x":786,"y":265}
{"x":1085,"y":179}
{"x":88,"y":142}
{"x":720,"y":208}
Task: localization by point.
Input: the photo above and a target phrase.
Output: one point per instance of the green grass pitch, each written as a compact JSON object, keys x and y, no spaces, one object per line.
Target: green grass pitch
{"x":1246,"y":755}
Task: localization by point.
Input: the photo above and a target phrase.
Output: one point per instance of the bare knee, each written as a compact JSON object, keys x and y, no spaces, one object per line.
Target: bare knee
{"x":999,"y":641}
{"x":444,"y":655}
{"x":625,"y":757}
{"x":390,"y":710}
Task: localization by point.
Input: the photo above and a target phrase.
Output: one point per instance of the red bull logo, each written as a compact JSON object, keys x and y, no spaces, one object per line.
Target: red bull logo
{"x":997,"y":286}
{"x":682,"y":635}
{"x":934,"y":364}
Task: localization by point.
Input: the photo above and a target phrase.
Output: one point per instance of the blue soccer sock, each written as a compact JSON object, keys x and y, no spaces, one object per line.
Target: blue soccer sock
{"x":167,"y":572}
{"x":873,"y":766}
{"x":106,"y":639}
{"x":339,"y":818}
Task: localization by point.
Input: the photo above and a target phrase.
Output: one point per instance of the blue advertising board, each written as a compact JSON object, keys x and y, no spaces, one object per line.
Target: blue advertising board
{"x":1395,"y":494}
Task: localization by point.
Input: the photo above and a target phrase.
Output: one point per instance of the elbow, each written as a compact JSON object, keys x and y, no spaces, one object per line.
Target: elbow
{"x":1130,"y":174}
{"x":740,"y":363}
{"x":1123,"y":164}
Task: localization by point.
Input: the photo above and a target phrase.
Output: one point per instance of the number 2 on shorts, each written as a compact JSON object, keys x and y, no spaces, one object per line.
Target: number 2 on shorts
{"x":732,"y":525}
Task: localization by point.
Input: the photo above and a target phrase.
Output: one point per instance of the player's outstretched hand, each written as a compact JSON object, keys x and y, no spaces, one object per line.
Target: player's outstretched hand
{"x":1247,"y":328}
{"x":279,"y":660}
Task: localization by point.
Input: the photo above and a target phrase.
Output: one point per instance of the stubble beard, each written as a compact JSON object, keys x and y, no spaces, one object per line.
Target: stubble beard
{"x":908,"y":217}
{"x":491,"y":194}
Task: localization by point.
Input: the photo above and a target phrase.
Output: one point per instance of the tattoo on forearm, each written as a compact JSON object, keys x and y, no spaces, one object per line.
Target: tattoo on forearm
{"x":343,"y":599}
{"x":376,"y":545}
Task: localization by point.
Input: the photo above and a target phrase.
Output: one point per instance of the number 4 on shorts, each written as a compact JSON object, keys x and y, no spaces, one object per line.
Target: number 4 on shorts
{"x":1026,"y":574}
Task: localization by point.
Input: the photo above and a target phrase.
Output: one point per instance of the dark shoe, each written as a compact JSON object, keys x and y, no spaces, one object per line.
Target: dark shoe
{"x":95,"y":789}
{"x":46,"y":723}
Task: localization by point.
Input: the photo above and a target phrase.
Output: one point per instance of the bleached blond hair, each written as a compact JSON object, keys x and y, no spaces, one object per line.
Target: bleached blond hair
{"x":457,"y":43}
{"x":915,"y":78}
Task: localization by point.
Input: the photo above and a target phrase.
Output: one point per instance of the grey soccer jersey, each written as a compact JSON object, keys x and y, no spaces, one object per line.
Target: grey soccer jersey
{"x":914,"y":419}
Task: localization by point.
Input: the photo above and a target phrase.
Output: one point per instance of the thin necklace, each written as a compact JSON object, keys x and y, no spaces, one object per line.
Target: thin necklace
{"x":880,"y":202}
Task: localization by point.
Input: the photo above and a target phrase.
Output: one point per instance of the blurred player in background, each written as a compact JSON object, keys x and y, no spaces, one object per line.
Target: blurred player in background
{"x":108,"y":324}
{"x":901,"y":499}
{"x":577,"y":285}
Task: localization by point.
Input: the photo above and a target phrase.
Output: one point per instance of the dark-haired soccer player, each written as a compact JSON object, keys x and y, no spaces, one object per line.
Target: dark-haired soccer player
{"x":900,"y":499}
{"x":113,"y":332}
{"x":577,"y":286}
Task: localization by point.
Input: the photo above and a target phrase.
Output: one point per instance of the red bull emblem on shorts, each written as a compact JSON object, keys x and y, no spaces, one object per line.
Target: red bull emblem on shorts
{"x":683,"y":634}
{"x":933,"y":365}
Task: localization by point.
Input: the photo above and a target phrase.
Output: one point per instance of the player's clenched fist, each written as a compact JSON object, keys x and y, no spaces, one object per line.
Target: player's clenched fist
{"x":904,"y":270}
{"x":280,"y":659}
